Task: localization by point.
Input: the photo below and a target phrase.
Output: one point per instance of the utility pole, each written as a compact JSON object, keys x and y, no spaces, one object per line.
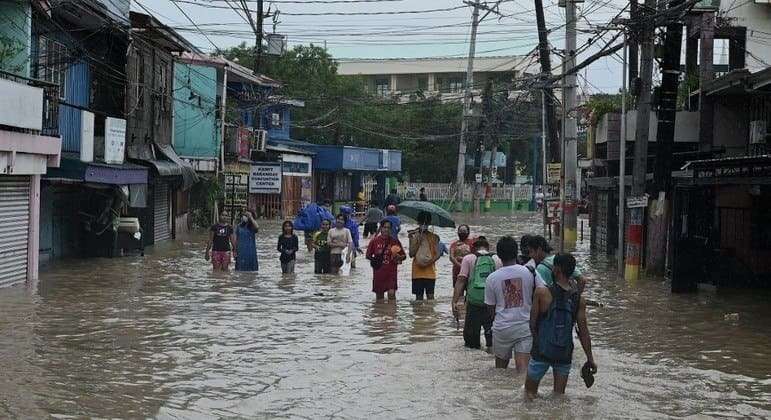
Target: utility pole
{"x":258,"y":58}
{"x":461,"y":175}
{"x":570,"y":158}
{"x":665,"y":135}
{"x":634,"y":63}
{"x":634,"y":248}
{"x":622,"y":163}
{"x":550,"y":118}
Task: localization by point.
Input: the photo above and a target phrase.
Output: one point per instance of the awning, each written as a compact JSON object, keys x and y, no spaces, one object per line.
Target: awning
{"x":72,"y":169}
{"x":173,"y":167}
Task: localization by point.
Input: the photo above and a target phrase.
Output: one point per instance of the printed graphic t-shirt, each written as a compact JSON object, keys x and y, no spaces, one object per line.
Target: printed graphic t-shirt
{"x":222,"y":234}
{"x":510,"y":289}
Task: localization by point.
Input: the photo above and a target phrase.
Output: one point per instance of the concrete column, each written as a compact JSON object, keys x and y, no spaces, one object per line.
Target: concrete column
{"x":431,"y":82}
{"x":33,"y":239}
{"x":393,"y":83}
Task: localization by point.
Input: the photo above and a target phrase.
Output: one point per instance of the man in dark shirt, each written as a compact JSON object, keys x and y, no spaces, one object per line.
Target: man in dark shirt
{"x":423,"y":196}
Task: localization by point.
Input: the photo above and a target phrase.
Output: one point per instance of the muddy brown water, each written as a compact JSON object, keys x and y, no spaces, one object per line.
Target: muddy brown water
{"x":163,"y":337}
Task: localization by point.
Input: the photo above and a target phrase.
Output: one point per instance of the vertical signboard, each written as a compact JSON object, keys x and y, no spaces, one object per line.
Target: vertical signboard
{"x":114,"y":140}
{"x":265,"y":178}
{"x":86,"y":136}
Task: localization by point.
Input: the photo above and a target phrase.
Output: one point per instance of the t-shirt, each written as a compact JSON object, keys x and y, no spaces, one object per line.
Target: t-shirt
{"x":469,"y":261}
{"x":320,"y":241}
{"x":545,"y":270}
{"x":222,"y":232}
{"x":288,"y":247}
{"x":510,"y":289}
{"x":426,"y":273}
{"x":374,"y":215}
{"x":339,"y":239}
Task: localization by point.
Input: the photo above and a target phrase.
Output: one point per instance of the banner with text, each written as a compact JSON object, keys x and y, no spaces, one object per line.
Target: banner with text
{"x":265,"y":178}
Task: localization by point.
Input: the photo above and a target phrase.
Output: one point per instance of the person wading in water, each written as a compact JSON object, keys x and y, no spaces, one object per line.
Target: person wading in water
{"x":321,"y":254}
{"x":221,"y":242}
{"x":385,"y":253}
{"x":424,"y":250}
{"x":288,"y":245}
{"x":474,"y":270}
{"x":555,"y":311}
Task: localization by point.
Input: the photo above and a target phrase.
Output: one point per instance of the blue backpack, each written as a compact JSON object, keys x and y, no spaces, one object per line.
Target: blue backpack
{"x":554,"y":342}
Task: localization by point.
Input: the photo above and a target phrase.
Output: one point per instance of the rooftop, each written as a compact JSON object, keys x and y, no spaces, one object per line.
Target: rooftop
{"x":372,"y":66}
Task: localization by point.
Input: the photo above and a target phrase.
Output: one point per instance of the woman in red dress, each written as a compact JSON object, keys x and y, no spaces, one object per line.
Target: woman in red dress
{"x":385,"y":253}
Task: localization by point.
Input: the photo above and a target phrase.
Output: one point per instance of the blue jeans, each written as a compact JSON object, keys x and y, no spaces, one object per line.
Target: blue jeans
{"x":537,"y":369}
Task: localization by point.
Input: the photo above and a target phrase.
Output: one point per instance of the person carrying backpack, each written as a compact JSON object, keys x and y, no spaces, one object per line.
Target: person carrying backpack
{"x":556,"y":310}
{"x":474,"y":269}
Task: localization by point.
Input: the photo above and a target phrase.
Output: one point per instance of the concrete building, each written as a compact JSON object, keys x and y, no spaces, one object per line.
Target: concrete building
{"x":409,"y":78}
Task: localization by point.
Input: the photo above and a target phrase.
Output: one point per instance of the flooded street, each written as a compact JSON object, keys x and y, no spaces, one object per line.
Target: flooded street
{"x":163,"y":337}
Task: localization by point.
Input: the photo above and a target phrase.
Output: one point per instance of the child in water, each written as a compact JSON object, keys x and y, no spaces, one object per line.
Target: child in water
{"x":288,"y":245}
{"x":321,"y":246}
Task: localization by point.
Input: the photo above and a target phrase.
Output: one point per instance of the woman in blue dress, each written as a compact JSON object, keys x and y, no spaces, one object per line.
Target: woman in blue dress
{"x":246,"y":256}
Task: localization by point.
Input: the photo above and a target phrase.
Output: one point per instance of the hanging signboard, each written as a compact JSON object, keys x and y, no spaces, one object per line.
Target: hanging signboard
{"x":636,"y":202}
{"x":265,"y":178}
{"x":553,"y":173}
{"x":114,"y":140}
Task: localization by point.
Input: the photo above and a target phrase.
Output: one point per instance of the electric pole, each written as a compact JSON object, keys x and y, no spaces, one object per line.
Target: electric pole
{"x":665,"y":135}
{"x":550,"y":118}
{"x":258,"y":58}
{"x":570,"y":158}
{"x":634,"y":63}
{"x":461,"y":175}
{"x":634,"y":248}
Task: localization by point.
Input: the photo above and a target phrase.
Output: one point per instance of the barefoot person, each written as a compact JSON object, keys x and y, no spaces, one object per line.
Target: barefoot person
{"x":288,"y":245}
{"x":221,"y":242}
{"x":555,"y":311}
{"x":509,"y":293}
{"x":385,"y":253}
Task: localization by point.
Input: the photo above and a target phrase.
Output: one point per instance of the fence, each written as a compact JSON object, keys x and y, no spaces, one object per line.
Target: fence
{"x":518,"y":195}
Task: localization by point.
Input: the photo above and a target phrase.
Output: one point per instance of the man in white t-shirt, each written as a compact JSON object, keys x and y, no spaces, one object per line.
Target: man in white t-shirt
{"x":509,"y":295}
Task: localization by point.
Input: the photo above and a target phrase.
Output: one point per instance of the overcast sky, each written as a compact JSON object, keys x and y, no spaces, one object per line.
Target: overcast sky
{"x":441,"y":33}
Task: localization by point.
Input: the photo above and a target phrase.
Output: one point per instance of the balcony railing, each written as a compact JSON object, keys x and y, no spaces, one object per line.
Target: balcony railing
{"x":50,"y":114}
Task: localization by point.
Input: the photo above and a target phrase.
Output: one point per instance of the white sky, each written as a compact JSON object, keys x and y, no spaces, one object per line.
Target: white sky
{"x":402,"y":35}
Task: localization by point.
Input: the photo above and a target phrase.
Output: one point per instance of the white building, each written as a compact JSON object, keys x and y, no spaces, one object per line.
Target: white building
{"x":446,"y":77}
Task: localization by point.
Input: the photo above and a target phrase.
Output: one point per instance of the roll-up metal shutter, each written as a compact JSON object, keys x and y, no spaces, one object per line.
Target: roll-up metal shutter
{"x":161,"y":213}
{"x":14,"y":229}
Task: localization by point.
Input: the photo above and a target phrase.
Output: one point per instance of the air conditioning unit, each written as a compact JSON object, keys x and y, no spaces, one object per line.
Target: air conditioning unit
{"x":260,"y":140}
{"x":758,"y":132}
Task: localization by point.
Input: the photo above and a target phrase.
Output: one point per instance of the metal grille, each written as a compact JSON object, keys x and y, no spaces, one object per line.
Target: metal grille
{"x":161,"y":213}
{"x":14,"y":229}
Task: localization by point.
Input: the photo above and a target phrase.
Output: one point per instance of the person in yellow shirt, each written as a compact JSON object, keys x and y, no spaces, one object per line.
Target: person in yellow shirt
{"x":424,"y":251}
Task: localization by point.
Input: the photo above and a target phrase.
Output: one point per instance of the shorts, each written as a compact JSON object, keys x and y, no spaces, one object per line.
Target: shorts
{"x":336,"y":260}
{"x":370,"y":228}
{"x":537,"y":369}
{"x":423,"y":285}
{"x":220,"y":259}
{"x":515,"y":339}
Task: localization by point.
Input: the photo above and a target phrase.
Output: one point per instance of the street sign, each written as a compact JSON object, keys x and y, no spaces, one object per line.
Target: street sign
{"x":553,"y":173}
{"x":637,"y":202}
{"x":265,"y":178}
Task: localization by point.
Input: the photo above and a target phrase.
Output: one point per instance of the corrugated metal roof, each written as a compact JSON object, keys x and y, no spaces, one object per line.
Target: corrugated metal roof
{"x":234,"y":69}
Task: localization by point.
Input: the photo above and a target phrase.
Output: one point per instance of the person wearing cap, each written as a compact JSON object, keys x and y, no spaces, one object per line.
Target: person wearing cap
{"x":542,"y":258}
{"x":477,"y":315}
{"x":396,"y":222}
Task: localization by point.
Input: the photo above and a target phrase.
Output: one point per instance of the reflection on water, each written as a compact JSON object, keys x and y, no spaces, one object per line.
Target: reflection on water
{"x":161,"y":336}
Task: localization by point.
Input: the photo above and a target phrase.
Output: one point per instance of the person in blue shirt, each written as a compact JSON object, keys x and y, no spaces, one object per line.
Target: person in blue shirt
{"x":353,"y":225}
{"x":542,"y":259}
{"x":396,"y":222}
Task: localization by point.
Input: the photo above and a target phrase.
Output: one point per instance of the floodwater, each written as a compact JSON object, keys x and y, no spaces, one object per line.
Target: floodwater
{"x":163,"y":337}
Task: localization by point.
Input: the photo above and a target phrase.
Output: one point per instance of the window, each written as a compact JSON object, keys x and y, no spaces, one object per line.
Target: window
{"x":276,"y":120}
{"x":52,"y":63}
{"x":382,"y":87}
{"x":423,"y":83}
{"x":455,"y":85}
